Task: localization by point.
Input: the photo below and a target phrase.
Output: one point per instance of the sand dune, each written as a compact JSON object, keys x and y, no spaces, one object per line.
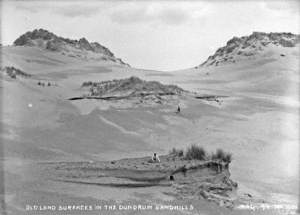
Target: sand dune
{"x":257,"y":121}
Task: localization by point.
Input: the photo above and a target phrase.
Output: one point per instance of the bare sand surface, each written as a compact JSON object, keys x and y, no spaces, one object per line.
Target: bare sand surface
{"x":257,"y":121}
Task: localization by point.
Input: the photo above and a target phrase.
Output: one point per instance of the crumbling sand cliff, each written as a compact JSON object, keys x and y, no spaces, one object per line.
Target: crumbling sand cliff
{"x":189,"y":179}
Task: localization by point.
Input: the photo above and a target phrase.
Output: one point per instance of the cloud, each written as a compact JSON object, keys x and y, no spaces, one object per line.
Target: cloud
{"x":135,"y":15}
{"x":28,"y":8}
{"x":174,"y":16}
{"x":287,"y":5}
{"x":66,"y":9}
{"x":120,"y":12}
{"x":77,"y":11}
{"x":151,"y":13}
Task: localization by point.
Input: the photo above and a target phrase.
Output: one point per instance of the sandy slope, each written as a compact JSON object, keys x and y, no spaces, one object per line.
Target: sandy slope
{"x":258,"y":123}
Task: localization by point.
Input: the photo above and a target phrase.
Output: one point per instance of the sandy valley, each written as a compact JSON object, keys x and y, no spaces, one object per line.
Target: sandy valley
{"x":56,"y":148}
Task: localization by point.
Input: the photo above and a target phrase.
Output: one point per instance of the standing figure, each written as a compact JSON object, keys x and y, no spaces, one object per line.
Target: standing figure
{"x":155,"y":158}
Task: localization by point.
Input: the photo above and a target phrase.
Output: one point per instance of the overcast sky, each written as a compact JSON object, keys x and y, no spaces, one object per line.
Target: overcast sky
{"x":160,"y":35}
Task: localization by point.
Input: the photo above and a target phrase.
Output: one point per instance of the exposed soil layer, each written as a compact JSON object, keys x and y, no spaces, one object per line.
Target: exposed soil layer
{"x":190,"y":179}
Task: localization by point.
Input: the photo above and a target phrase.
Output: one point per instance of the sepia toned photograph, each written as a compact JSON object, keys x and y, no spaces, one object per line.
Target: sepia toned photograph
{"x":146,"y":107}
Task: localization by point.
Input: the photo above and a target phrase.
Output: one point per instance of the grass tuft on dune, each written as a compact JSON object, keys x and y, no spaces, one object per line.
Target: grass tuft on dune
{"x":195,"y":152}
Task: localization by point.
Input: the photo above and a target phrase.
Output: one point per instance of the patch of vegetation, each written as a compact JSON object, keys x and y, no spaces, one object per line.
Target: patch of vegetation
{"x":14,"y":72}
{"x":221,"y":155}
{"x":176,"y":152}
{"x":132,"y":86}
{"x":195,"y":152}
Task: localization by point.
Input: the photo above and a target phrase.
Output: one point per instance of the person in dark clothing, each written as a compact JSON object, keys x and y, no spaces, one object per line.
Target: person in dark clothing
{"x":178,"y":109}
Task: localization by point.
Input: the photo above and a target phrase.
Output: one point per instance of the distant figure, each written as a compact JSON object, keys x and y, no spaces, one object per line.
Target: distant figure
{"x":178,"y":109}
{"x":155,"y":158}
{"x":184,"y":170}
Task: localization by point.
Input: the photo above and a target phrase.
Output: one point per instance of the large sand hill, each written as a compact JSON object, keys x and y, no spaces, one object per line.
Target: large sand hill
{"x":257,"y":120}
